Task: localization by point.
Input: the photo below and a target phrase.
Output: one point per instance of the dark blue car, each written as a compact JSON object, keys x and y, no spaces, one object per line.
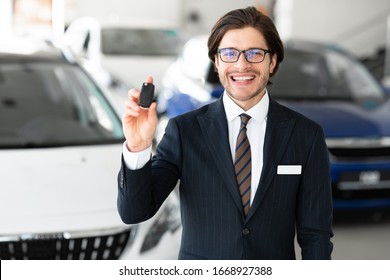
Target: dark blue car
{"x":326,"y":84}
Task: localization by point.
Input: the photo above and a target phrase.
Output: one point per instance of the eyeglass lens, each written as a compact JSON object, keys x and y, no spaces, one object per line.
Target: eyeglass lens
{"x":251,"y":55}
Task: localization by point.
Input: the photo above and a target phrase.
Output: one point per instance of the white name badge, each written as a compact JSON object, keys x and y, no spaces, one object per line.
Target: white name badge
{"x":289,"y":169}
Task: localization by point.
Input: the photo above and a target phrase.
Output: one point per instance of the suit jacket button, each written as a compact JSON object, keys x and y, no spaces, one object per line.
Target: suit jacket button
{"x":245,"y":231}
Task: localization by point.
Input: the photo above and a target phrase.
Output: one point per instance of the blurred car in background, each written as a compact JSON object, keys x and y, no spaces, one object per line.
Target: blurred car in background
{"x":326,"y":84}
{"x":60,"y":146}
{"x":130,"y":50}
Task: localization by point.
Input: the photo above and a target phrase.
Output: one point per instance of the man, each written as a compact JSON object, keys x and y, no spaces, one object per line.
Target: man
{"x":244,"y":202}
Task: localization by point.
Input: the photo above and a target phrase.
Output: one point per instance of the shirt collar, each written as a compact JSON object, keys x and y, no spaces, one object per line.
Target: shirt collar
{"x":258,"y":112}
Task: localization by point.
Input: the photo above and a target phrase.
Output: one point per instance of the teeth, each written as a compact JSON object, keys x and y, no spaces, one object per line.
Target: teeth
{"x":243,"y":78}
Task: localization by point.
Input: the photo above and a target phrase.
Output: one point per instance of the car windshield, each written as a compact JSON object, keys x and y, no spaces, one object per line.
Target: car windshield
{"x":332,"y":75}
{"x":121,"y":41}
{"x":48,"y":105}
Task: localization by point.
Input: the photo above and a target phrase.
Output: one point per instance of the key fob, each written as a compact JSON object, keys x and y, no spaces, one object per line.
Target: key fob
{"x":146,"y":97}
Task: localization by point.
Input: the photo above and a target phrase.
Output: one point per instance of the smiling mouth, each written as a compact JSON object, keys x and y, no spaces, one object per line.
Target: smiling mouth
{"x":242,"y":78}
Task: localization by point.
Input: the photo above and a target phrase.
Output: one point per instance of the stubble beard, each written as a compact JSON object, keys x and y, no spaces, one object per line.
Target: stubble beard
{"x":256,"y":95}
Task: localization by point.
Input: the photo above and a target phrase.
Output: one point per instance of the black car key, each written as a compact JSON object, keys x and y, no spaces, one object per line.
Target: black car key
{"x":146,"y":97}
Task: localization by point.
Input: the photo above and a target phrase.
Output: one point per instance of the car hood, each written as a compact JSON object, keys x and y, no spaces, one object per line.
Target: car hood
{"x":59,"y":189}
{"x":346,"y":119}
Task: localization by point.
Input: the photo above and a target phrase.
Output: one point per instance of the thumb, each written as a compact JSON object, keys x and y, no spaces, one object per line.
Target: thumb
{"x":152,"y":112}
{"x":149,"y":80}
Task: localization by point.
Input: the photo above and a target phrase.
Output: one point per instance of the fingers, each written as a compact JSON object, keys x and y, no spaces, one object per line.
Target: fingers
{"x":131,"y":104}
{"x":134,"y":94}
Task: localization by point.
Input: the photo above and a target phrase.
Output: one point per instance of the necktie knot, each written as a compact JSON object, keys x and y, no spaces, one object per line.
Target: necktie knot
{"x":244,"y":119}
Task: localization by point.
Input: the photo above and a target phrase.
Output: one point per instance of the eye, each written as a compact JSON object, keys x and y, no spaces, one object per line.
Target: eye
{"x":230,"y":53}
{"x":255,"y":54}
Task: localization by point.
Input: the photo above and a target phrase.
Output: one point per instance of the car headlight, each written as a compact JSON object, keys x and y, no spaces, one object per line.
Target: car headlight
{"x":168,"y":221}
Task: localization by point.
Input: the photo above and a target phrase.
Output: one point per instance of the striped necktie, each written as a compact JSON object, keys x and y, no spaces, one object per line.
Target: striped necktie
{"x":242,"y":164}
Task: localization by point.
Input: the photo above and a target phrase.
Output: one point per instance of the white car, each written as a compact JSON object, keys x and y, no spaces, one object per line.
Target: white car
{"x":60,"y":151}
{"x":130,"y":50}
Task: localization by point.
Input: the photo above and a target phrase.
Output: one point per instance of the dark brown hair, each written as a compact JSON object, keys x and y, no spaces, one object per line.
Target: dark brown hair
{"x":248,"y":17}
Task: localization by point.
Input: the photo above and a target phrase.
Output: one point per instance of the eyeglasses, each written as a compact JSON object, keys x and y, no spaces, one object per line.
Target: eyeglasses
{"x":231,"y":55}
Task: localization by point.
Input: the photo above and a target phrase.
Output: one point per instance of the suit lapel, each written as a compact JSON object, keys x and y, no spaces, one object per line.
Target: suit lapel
{"x":278,"y":132}
{"x":214,"y":128}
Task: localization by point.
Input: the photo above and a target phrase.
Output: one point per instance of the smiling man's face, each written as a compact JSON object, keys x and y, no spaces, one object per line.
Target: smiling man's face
{"x":245,"y":82}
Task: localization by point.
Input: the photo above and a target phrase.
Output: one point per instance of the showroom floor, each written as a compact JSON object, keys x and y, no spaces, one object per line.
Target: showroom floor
{"x":362,"y":236}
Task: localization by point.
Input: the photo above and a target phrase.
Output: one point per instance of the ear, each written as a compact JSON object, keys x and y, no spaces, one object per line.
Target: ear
{"x":274,"y":60}
{"x":216,"y":63}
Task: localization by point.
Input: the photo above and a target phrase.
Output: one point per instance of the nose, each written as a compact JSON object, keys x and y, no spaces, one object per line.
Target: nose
{"x":242,"y":63}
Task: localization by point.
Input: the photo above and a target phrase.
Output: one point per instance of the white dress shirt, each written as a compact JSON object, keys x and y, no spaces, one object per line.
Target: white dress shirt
{"x":255,"y":132}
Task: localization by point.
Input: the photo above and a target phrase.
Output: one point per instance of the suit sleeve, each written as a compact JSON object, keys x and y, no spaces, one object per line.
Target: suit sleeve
{"x":141,"y":192}
{"x":315,"y":208}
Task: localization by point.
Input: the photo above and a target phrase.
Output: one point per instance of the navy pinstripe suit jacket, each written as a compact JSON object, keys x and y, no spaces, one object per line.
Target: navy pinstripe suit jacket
{"x":195,"y":149}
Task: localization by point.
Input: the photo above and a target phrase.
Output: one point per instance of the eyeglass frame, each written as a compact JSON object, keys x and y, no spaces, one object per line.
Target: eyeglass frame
{"x":245,"y":54}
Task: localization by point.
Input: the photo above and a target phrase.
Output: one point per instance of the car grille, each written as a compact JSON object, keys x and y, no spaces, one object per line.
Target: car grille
{"x":359,"y":148}
{"x":360,"y":153}
{"x":368,"y":183}
{"x":360,"y":194}
{"x":96,"y":245}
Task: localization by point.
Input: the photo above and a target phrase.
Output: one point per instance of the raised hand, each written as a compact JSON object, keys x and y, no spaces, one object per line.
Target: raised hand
{"x":139,"y":125}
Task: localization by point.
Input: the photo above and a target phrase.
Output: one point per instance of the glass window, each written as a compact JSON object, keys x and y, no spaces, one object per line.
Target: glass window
{"x":121,"y":41}
{"x":350,"y":76}
{"x":47,"y":104}
{"x":327,"y":75}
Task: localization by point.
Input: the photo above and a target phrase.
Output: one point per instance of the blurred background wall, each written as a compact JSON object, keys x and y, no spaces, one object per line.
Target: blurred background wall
{"x":359,"y":25}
